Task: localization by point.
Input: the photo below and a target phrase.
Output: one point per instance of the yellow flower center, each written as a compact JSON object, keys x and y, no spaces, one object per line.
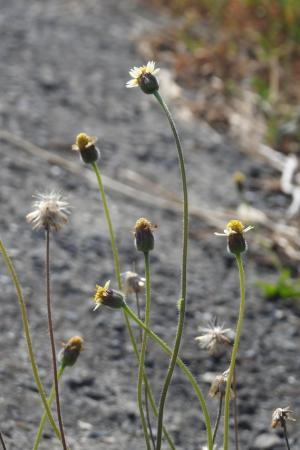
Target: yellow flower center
{"x":143,"y":225}
{"x":75,"y":342}
{"x":101,"y":292}
{"x":82,"y":140}
{"x":236,"y":226}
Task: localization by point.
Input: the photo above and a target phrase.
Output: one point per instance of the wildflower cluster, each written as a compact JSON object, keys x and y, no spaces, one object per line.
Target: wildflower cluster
{"x":51,"y":213}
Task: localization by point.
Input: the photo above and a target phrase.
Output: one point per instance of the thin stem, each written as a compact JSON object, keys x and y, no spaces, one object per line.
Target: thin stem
{"x":149,"y":390}
{"x":148,"y":420}
{"x":182,"y":366}
{"x":182,"y":302}
{"x":51,"y":397}
{"x":218,"y":419}
{"x":2,"y":441}
{"x":235,"y":411}
{"x":138,"y":308}
{"x":109,"y":224}
{"x":235,"y":349}
{"x":119,"y":282}
{"x":143,"y":352}
{"x":51,"y":333}
{"x":285,"y":435}
{"x":22,"y":306}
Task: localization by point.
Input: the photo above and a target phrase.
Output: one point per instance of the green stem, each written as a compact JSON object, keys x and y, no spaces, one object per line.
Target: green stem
{"x":182,"y":366}
{"x":235,"y":349}
{"x":182,"y":302}
{"x":138,"y":308}
{"x":143,"y":352}
{"x":147,"y":386}
{"x":235,"y":411}
{"x":119,"y":281}
{"x":109,"y":224}
{"x":44,"y":416}
{"x":22,"y":306}
{"x":52,"y":341}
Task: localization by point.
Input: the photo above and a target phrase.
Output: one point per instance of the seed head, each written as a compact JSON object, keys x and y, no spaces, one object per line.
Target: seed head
{"x":51,"y":212}
{"x":280,"y":416}
{"x":218,"y":386}
{"x":132,"y":282}
{"x":108,"y":297}
{"x":144,"y":239}
{"x":214,"y":336}
{"x":235,"y":236}
{"x":69,"y":354}
{"x":144,"y":77}
{"x":85,"y":145}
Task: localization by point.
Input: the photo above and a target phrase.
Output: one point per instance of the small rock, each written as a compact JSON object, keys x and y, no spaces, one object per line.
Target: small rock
{"x":266,"y":441}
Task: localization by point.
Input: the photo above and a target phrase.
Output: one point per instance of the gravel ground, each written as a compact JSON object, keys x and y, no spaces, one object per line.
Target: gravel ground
{"x":64,"y":67}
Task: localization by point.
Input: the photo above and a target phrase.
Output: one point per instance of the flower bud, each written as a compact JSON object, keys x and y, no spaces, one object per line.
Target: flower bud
{"x":69,"y":354}
{"x":236,"y":243}
{"x":85,"y":145}
{"x":108,"y":297}
{"x":144,"y":239}
{"x":148,"y":83}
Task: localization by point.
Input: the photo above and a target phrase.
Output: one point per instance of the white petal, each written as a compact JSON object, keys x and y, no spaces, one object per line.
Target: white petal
{"x":221,"y":234}
{"x":250,"y":227}
{"x":132,"y":83}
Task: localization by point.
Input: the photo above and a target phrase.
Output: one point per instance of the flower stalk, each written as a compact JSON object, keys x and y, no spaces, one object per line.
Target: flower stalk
{"x":51,"y":397}
{"x":182,"y":302}
{"x":22,"y":306}
{"x":141,"y":370}
{"x":119,"y":282}
{"x":109,"y":224}
{"x":52,"y":341}
{"x":235,"y":348}
{"x":128,"y":312}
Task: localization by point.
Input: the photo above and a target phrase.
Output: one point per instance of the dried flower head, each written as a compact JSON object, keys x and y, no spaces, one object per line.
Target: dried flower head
{"x":51,"y":212}
{"x":69,"y":354}
{"x":132,"y":282}
{"x":218,"y":386}
{"x":85,"y":144}
{"x":235,"y":234}
{"x":214,"y":336}
{"x":144,"y":239}
{"x":108,"y":297}
{"x":144,"y":77}
{"x":280,"y":416}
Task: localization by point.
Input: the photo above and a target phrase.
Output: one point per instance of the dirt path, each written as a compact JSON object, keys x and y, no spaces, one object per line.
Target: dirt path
{"x":64,"y":67}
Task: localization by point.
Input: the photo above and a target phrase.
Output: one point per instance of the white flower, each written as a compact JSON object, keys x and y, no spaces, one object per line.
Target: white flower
{"x":213,"y":337}
{"x":51,"y":212}
{"x":137,"y":72}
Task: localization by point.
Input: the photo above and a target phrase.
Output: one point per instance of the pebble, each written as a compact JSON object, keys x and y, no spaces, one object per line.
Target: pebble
{"x":266,"y":441}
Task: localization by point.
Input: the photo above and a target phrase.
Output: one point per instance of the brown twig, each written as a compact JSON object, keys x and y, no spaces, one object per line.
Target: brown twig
{"x":50,"y":325}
